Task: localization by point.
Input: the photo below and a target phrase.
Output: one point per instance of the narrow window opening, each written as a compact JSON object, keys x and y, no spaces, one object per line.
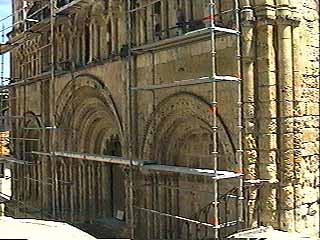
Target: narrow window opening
{"x":109,"y":39}
{"x":116,"y":33}
{"x":87,"y":44}
{"x":157,"y":8}
{"x":157,"y":21}
{"x":98,"y":42}
{"x":80,"y":61}
{"x":34,"y":65}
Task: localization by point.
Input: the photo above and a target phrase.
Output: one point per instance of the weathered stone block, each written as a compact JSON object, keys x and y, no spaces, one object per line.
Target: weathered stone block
{"x":267,"y":110}
{"x":267,"y":93}
{"x":267,"y":141}
{"x":310,"y":135}
{"x":267,"y":157}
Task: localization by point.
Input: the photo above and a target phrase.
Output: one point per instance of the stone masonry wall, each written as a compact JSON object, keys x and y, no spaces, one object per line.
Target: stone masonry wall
{"x":280,"y":71}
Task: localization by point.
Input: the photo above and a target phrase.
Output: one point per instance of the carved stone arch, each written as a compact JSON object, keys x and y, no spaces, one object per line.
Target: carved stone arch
{"x":96,"y":120}
{"x":88,"y":120}
{"x":31,"y":125}
{"x":179,"y":133}
{"x":74,"y":103}
{"x":176,"y":115}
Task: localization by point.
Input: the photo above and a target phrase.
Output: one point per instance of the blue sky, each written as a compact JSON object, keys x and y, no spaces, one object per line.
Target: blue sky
{"x":5,"y":10}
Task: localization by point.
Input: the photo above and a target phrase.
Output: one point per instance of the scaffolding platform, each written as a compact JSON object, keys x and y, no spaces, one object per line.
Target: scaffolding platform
{"x":72,"y":6}
{"x":216,"y":175}
{"x":97,"y":158}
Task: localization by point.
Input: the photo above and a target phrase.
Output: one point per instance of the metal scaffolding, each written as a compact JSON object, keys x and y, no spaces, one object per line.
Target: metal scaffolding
{"x":33,"y":24}
{"x":214,"y":174}
{"x":30,"y":25}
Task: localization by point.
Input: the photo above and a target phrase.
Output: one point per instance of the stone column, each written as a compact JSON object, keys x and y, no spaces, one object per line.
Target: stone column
{"x":103,"y":38}
{"x":266,"y":112}
{"x":298,"y":125}
{"x":249,"y":111}
{"x":285,"y":104}
{"x":92,"y":41}
{"x":113,"y":33}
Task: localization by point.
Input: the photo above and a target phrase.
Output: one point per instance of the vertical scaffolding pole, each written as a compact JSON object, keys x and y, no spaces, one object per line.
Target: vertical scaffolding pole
{"x":2,"y":58}
{"x":129,"y":119}
{"x":53,"y":5}
{"x":213,"y":111}
{"x":239,"y":154}
{"x":25,"y":166}
{"x":2,"y":92}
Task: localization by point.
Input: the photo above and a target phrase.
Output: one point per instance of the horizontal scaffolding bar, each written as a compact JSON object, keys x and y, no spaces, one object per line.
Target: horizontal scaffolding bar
{"x":215,"y":28}
{"x":72,"y":5}
{"x":25,"y":139}
{"x":48,"y":129}
{"x":178,"y":217}
{"x":37,"y":180}
{"x":8,"y":177}
{"x":14,"y":13}
{"x":195,"y":35}
{"x":46,"y":6}
{"x":261,"y":181}
{"x":196,"y":222}
{"x":14,"y":160}
{"x":189,"y":82}
{"x":97,"y":158}
{"x":216,"y":175}
{"x":4,"y":198}
{"x":40,"y":128}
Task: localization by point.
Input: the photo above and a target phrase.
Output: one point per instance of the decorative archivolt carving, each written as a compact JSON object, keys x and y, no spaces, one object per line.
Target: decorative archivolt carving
{"x":179,"y":109}
{"x":98,"y":91}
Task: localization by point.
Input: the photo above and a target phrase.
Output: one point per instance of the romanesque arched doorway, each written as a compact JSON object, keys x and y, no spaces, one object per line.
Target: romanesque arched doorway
{"x":28,"y":185}
{"x":89,"y":123}
{"x":178,"y":133}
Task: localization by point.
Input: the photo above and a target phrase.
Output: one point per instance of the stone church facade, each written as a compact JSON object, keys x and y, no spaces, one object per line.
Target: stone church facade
{"x":89,"y":104}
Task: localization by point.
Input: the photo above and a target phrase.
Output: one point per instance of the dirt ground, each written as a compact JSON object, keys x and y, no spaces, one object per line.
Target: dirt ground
{"x":31,"y":229}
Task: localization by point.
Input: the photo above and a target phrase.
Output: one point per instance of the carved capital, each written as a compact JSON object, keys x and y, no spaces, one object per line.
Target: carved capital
{"x":288,"y":20}
{"x":287,"y":16}
{"x":247,"y":16}
{"x":265,"y":14}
